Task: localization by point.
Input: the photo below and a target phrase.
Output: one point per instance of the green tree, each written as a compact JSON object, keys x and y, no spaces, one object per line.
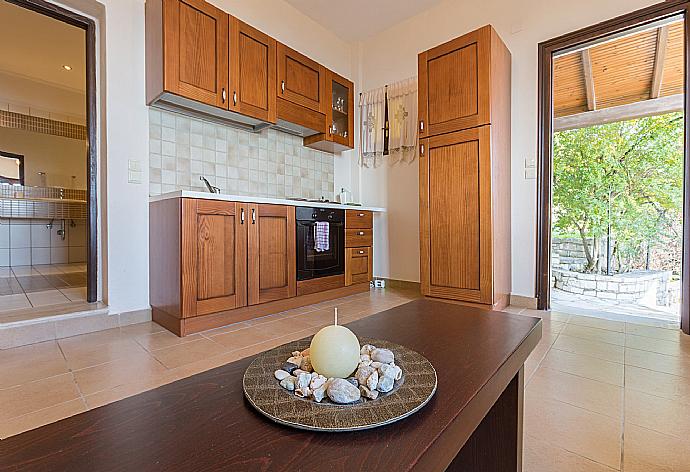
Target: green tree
{"x":627,"y":174}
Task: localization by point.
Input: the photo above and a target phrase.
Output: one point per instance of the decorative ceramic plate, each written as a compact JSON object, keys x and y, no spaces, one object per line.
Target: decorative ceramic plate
{"x":408,"y":395}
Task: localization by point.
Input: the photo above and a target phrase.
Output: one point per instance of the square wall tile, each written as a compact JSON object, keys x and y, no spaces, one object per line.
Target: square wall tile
{"x":20,"y":234}
{"x":4,"y":257}
{"x":40,"y":236}
{"x":40,"y":255}
{"x":59,"y":255}
{"x":20,"y":256}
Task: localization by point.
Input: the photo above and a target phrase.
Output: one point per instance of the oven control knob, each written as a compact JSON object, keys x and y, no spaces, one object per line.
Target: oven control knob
{"x":314,"y":215}
{"x":330,"y":217}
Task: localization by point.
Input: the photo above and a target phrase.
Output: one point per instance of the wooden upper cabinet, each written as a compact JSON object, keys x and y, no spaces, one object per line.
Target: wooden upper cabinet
{"x":195,"y":44}
{"x":214,"y":254}
{"x":339,"y":111}
{"x":455,"y":215}
{"x":272,"y":261}
{"x":301,"y":80}
{"x":454,"y":84}
{"x":252,"y":72}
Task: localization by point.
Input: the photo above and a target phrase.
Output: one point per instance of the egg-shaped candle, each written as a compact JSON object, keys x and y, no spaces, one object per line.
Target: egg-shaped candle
{"x":334,"y":352}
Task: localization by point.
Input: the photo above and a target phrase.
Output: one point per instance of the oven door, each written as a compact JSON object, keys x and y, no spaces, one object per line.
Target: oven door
{"x":313,"y":263}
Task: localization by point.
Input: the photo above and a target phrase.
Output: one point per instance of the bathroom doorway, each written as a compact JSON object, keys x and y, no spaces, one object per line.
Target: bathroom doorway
{"x":48,"y":208}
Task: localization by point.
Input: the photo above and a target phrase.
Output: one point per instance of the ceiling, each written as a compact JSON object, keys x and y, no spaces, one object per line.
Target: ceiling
{"x":359,"y":19}
{"x":36,"y":47}
{"x":622,"y":71}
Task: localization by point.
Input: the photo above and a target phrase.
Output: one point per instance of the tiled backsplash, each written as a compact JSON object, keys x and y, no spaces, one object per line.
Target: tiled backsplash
{"x":266,"y":164}
{"x":33,"y":242}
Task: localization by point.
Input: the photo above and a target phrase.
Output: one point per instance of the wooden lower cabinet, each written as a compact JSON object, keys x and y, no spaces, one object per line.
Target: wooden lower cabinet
{"x":271,"y":261}
{"x":359,"y":266}
{"x":214,"y":254}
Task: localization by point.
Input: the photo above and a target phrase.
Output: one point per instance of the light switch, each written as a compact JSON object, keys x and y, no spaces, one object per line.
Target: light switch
{"x":531,"y":173}
{"x":134,"y":165}
{"x":134,"y":177}
{"x":530,"y":162}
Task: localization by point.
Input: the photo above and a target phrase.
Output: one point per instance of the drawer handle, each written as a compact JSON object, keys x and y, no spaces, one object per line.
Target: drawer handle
{"x":361,"y":252}
{"x":361,"y":233}
{"x":361,"y":214}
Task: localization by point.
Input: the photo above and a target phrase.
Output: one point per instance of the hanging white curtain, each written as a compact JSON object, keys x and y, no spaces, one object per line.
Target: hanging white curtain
{"x":402,"y":120}
{"x":371,"y":118}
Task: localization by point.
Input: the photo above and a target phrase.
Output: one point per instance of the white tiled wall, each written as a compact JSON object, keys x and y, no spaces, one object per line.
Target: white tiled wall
{"x":32,"y":242}
{"x":266,"y":164}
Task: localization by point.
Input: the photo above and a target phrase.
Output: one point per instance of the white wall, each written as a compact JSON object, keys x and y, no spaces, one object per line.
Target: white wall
{"x":392,"y":55}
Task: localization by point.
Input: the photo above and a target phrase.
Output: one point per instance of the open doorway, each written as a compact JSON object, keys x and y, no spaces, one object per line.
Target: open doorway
{"x":613,"y":162}
{"x":48,"y":207}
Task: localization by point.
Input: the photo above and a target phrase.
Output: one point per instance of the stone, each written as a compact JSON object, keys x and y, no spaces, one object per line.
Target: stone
{"x":363,"y":374}
{"x":382,"y":355}
{"x":303,"y":381}
{"x":296,"y":353}
{"x":288,"y":383}
{"x":364,"y":358}
{"x":353,"y":381}
{"x":317,"y":382}
{"x":281,"y":374}
{"x":297,"y":360}
{"x":304,"y":353}
{"x":391,"y":370}
{"x":373,"y":380}
{"x":306,"y":364}
{"x":319,"y":393}
{"x":341,"y":391}
{"x":385,"y":384}
{"x":366,"y":349}
{"x":370,"y":394}
{"x":289,"y":367}
{"x":303,"y":392}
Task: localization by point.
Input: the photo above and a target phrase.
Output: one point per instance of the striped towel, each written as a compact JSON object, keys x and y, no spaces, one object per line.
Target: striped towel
{"x":321,"y":239}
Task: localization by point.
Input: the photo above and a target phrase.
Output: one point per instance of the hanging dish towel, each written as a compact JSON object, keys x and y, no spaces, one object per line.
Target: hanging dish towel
{"x":321,"y":238}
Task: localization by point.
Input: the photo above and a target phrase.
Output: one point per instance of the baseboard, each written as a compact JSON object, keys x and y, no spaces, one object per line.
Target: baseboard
{"x":401,"y":284}
{"x":523,"y":302}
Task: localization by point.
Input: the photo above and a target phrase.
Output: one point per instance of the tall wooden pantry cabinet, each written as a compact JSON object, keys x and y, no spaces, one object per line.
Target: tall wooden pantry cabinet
{"x":464,"y":169}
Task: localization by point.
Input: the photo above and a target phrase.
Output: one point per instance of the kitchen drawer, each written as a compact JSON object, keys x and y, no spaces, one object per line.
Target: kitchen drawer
{"x":359,"y":219}
{"x":358,"y":265}
{"x":358,"y":237}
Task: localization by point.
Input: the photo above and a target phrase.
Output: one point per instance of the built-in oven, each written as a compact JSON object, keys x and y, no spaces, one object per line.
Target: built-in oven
{"x":320,"y":242}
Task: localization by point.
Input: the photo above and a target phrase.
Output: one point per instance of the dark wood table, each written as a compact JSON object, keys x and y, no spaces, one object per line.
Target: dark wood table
{"x":203,"y":423}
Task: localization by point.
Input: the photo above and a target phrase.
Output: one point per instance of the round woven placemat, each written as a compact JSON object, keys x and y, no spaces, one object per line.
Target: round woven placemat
{"x":409,"y":394}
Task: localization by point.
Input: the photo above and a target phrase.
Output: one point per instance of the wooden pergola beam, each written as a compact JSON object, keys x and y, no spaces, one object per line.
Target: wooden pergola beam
{"x":659,"y":59}
{"x":589,"y":80}
{"x":651,"y":107}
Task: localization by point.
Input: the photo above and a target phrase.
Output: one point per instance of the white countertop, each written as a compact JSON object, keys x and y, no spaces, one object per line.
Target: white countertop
{"x":247,"y":199}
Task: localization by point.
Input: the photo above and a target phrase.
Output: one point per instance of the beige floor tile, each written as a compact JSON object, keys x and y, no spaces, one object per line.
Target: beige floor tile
{"x":594,"y":334}
{"x":141,"y":328}
{"x":14,"y":302}
{"x":553,"y":327}
{"x":542,"y":456}
{"x":659,"y":414}
{"x":588,"y":347}
{"x":584,"y":366}
{"x":649,"y":451}
{"x":583,"y":432}
{"x":80,"y":357}
{"x":163,"y":339}
{"x":660,"y":384}
{"x":47,"y":297}
{"x":33,"y":362}
{"x":555,"y":316}
{"x":644,"y":343}
{"x":42,"y":417}
{"x":225,"y":329}
{"x":601,"y":323}
{"x":592,"y":395}
{"x":97,"y":338}
{"x":654,"y":332}
{"x":34,"y":396}
{"x":242,"y":338}
{"x":515,"y":310}
{"x":118,"y":372}
{"x":660,"y":362}
{"x":75,"y":294}
{"x":187,"y":353}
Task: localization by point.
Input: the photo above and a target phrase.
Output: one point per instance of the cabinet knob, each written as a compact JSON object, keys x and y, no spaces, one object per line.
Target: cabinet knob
{"x":223,"y":95}
{"x":361,"y":233}
{"x":253,"y":216}
{"x":361,"y":214}
{"x":361,"y":252}
{"x":421,"y":125}
{"x":421,"y":149}
{"x":242,"y":216}
{"x":282,"y":86}
{"x":234,"y":98}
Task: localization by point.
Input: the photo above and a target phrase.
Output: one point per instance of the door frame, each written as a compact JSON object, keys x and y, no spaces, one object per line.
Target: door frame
{"x":89,"y":26}
{"x":545,"y":139}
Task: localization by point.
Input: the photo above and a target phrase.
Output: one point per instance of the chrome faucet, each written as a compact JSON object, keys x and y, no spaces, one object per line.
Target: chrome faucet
{"x":211,"y":188}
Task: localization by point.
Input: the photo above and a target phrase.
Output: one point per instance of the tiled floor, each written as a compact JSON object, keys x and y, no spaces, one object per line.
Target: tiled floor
{"x":601,"y":395}
{"x":28,"y":287}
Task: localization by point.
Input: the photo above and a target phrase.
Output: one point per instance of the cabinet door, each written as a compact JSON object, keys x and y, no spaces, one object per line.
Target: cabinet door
{"x":301,"y":80}
{"x":272,"y":259}
{"x":454,"y":84}
{"x":340,"y":109}
{"x":455,"y":215}
{"x":359,"y":265}
{"x":252,"y":72}
{"x":196,"y":51}
{"x":214,"y":244}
